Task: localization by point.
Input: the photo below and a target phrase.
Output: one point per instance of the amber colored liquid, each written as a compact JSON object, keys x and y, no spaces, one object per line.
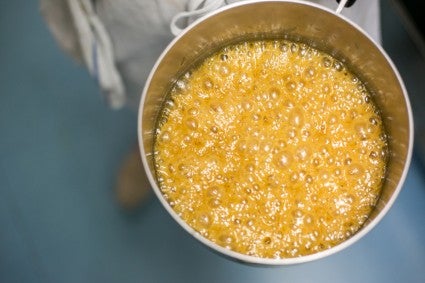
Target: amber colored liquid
{"x":271,"y":149}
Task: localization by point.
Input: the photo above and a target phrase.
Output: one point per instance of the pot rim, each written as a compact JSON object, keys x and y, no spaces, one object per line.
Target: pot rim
{"x":254,"y":259}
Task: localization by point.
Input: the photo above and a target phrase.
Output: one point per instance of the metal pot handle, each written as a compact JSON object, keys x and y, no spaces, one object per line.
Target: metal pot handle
{"x":344,"y":4}
{"x":200,"y":7}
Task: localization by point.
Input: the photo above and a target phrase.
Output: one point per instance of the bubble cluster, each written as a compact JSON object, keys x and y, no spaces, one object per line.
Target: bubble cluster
{"x":272,"y":149}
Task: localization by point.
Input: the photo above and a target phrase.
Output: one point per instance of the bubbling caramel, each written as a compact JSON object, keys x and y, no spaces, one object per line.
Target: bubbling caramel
{"x":271,"y":149}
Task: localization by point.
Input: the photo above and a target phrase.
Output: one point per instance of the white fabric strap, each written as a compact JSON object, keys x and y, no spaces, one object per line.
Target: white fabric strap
{"x":97,"y":51}
{"x":195,"y":8}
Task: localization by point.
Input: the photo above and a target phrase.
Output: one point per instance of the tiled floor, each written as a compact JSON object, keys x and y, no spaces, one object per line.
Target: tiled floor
{"x":60,"y":149}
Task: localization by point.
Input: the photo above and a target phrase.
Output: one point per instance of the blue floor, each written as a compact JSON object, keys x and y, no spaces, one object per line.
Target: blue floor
{"x":60,"y":149}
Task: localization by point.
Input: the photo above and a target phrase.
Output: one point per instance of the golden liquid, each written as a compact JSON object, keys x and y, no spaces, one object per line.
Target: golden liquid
{"x":271,"y":149}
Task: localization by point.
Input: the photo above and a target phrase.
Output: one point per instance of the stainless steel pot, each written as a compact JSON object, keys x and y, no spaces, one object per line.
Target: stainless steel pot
{"x":299,"y":21}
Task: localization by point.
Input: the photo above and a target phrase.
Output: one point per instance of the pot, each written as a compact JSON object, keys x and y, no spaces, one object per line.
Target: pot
{"x":298,"y":21}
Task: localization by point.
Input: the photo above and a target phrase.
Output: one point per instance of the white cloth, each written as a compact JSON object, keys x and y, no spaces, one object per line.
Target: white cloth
{"x":119,"y":40}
